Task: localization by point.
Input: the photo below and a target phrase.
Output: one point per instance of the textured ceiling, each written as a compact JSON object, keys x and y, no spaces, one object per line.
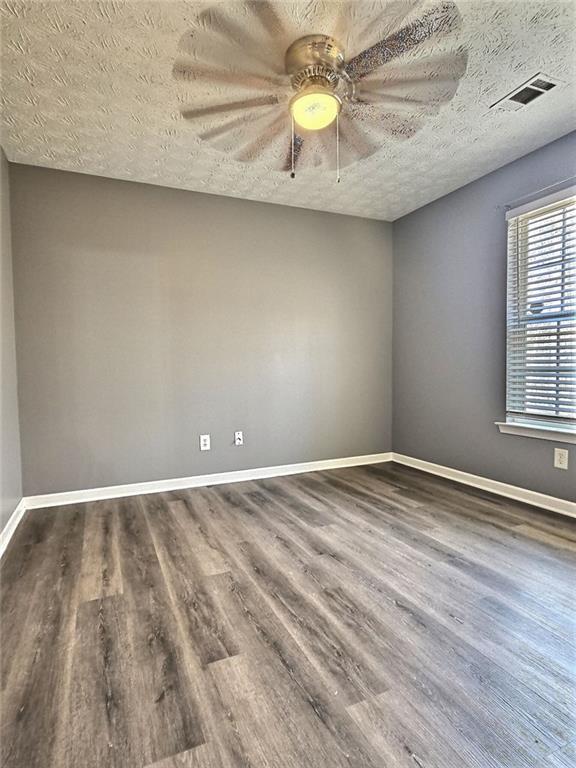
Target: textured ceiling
{"x":100,"y":88}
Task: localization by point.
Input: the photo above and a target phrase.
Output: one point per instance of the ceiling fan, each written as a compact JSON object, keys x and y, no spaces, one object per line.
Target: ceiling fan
{"x":262,"y":83}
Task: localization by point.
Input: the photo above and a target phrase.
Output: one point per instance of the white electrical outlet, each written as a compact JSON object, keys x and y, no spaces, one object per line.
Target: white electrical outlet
{"x":204,"y":442}
{"x":238,"y":438}
{"x":561,"y":458}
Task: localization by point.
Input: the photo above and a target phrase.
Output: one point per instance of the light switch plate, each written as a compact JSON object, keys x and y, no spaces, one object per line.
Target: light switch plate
{"x":238,"y":438}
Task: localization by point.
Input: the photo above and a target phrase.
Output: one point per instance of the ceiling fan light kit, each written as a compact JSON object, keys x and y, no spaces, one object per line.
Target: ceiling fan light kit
{"x":316,"y":65}
{"x":315,"y":107}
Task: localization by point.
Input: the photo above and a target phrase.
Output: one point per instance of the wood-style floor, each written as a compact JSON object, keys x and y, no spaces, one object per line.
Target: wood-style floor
{"x":373,"y":617}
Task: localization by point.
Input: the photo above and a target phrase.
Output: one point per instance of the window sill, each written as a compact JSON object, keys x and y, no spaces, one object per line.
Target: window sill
{"x":556,"y":434}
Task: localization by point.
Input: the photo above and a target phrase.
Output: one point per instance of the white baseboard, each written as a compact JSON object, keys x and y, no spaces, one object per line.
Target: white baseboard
{"x":195,"y":481}
{"x":494,"y":486}
{"x":157,"y":486}
{"x":8,"y":531}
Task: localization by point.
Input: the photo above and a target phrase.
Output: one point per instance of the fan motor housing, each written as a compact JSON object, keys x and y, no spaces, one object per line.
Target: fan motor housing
{"x":315,"y":59}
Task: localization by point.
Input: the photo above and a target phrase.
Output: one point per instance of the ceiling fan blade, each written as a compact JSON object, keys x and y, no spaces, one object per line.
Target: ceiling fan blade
{"x":190,"y":71}
{"x":403,"y":104}
{"x":223,"y":128}
{"x":417,"y":96}
{"x":232,"y":106}
{"x":441,"y":19}
{"x":355,"y":144}
{"x":240,"y":37}
{"x":356,"y":140}
{"x":246,"y":136}
{"x":207,"y":46}
{"x":267,"y":16}
{"x":406,"y":89}
{"x":344,"y":21}
{"x":263,"y":140}
{"x":446,"y":68}
{"x":357,"y":25}
{"x":384,"y":87}
{"x":415,"y":91}
{"x":435,"y":79}
{"x":387,"y":122}
{"x":298,"y":142}
{"x":451,"y":62}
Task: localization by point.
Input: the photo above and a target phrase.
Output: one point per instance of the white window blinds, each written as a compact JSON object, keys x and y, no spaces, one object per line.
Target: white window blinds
{"x":541,"y":317}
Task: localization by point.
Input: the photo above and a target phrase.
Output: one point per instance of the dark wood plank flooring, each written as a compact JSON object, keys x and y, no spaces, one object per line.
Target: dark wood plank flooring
{"x":373,"y":617}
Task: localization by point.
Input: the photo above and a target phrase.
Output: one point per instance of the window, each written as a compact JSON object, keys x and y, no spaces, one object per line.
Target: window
{"x":541,"y":318}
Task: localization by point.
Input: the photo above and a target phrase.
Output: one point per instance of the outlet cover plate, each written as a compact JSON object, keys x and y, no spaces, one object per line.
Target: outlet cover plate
{"x":561,"y":458}
{"x":204,"y":442}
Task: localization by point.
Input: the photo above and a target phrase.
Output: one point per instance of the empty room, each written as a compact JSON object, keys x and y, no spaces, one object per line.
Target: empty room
{"x":288,"y":384}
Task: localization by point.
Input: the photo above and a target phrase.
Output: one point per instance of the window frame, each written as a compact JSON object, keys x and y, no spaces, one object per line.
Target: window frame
{"x":526,"y":424}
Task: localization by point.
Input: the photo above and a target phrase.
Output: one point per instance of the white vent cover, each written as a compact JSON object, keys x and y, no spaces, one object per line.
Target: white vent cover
{"x":528,"y":92}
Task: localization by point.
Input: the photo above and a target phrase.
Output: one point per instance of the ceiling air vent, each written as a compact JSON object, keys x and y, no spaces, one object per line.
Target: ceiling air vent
{"x":527,"y":92}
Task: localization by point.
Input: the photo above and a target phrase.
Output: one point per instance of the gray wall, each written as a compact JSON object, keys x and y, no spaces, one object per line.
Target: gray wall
{"x":10,"y":471}
{"x":146,"y":316}
{"x":449,"y":329}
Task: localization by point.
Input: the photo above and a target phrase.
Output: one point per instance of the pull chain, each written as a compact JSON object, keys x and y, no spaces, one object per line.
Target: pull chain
{"x":337,"y":150}
{"x":293,"y":174}
{"x":292,"y":143}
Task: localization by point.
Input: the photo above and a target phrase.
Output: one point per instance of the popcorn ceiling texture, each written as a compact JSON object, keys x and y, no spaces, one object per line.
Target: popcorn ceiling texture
{"x":100,"y":88}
